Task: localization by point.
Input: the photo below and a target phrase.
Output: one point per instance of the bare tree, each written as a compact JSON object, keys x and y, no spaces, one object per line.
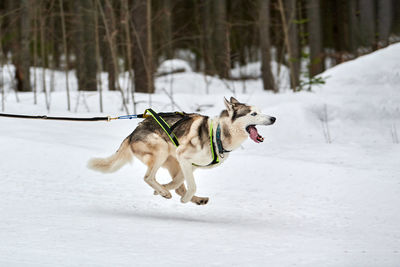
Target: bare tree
{"x":112,"y":46}
{"x":288,"y":13}
{"x":206,"y":32}
{"x":396,"y":17}
{"x":66,"y":66}
{"x":35,"y":52}
{"x":43,"y":55}
{"x":22,"y":68}
{"x":384,"y":21}
{"x":222,"y":47}
{"x":85,"y":47}
{"x":166,"y":34}
{"x":129,"y":58}
{"x":113,"y":49}
{"x":265,"y":45}
{"x":367,"y":22}
{"x":2,"y":66}
{"x":142,"y":55}
{"x":52,"y":55}
{"x":98,"y":60}
{"x":354,"y":26}
{"x":315,"y":40}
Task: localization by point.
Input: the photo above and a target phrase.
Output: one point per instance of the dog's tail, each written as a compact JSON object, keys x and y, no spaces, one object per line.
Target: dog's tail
{"x":114,"y":162}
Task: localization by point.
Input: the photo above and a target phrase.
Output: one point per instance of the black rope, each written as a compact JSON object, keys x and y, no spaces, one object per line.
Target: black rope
{"x":44,"y":117}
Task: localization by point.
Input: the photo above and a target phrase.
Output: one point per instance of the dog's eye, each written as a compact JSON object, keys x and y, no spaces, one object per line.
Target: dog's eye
{"x":253,"y":114}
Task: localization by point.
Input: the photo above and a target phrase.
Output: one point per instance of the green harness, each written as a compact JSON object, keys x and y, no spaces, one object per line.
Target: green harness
{"x":169,"y":131}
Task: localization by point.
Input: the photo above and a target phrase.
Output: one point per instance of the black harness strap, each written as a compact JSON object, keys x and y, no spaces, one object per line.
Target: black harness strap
{"x":215,"y":155}
{"x":169,"y":130}
{"x":163,"y":125}
{"x":221,"y":148}
{"x":213,"y":150}
{"x":176,"y":124}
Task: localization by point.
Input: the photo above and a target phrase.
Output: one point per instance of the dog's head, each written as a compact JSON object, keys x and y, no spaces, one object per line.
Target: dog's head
{"x":244,"y":118}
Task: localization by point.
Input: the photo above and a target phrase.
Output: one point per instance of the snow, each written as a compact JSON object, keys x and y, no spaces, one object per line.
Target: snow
{"x":294,"y":200}
{"x":174,"y":65}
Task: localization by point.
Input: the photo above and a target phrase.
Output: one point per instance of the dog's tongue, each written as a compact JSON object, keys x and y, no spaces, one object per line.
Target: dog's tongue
{"x":254,"y":134}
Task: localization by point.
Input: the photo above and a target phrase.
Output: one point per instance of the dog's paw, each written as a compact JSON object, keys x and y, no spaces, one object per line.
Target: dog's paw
{"x":184,"y":200}
{"x":200,"y":200}
{"x":166,"y":194}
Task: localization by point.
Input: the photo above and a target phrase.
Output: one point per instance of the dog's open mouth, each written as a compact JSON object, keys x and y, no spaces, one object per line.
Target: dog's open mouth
{"x":253,"y":133}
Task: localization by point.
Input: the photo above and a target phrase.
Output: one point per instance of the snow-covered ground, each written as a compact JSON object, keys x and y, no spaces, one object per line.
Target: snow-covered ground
{"x":294,"y":200}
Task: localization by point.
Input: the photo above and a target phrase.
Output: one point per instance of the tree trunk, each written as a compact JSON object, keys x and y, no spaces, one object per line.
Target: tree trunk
{"x":43,"y":53}
{"x":142,"y":50}
{"x":111,"y":44}
{"x":288,"y":13}
{"x":341,"y":31}
{"x":65,"y":50}
{"x":22,"y":68}
{"x":166,"y":34}
{"x":222,"y":48}
{"x":265,"y":45}
{"x":2,"y":67}
{"x":113,"y":50}
{"x":98,"y":58}
{"x":277,"y":36}
{"x":315,"y":42}
{"x":129,"y":57}
{"x":354,"y":26}
{"x":396,"y":17}
{"x":367,"y":23}
{"x":384,"y":21}
{"x":85,"y":46}
{"x":209,"y":66}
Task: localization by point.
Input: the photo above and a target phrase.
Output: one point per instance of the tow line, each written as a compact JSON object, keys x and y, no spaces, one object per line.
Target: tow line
{"x":45,"y":117}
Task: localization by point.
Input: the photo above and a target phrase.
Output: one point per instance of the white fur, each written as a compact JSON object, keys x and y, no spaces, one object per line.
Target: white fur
{"x":113,"y":162}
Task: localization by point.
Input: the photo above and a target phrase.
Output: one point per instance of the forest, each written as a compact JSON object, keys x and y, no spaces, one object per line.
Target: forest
{"x":135,"y":36}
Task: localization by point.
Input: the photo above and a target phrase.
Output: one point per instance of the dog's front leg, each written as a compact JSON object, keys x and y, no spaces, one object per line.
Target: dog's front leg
{"x":187,"y":169}
{"x":195,"y":199}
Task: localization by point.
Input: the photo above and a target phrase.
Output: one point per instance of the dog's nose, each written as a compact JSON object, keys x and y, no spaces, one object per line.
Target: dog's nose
{"x":273,"y":119}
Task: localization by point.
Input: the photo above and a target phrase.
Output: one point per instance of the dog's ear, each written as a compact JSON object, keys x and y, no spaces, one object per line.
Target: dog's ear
{"x":234,"y":100}
{"x":228,"y":105}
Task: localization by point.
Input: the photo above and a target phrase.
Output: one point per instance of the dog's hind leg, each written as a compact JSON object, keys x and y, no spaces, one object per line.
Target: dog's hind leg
{"x":177,"y":182}
{"x":175,"y":171}
{"x":150,"y":179}
{"x":153,"y":155}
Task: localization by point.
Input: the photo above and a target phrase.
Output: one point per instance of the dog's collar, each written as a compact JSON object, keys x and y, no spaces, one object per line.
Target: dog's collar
{"x":221,"y":149}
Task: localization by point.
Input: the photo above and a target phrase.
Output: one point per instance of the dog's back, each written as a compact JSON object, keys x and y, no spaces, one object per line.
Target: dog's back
{"x":181,"y":124}
{"x":147,"y":138}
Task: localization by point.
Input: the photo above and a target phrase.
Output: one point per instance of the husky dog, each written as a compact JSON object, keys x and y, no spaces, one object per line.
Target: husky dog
{"x":150,"y":144}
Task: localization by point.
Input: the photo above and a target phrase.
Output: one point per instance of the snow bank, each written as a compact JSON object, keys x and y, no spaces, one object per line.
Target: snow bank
{"x":173,"y":65}
{"x":363,"y":97}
